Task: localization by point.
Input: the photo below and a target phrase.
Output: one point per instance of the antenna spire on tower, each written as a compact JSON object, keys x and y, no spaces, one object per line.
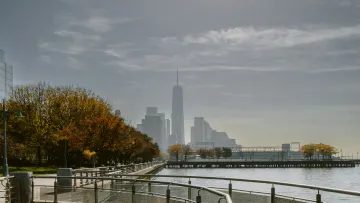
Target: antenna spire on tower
{"x":177,"y":76}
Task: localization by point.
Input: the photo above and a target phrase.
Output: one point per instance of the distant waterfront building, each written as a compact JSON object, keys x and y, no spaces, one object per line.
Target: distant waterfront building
{"x":118,"y":113}
{"x":177,"y":115}
{"x":202,"y":135}
{"x":6,"y":76}
{"x":286,"y":147}
{"x":155,"y":126}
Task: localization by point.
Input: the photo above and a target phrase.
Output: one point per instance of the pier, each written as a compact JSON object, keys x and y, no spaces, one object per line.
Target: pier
{"x":260,"y":164}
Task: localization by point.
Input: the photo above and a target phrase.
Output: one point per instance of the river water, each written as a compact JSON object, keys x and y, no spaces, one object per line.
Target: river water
{"x":339,"y":178}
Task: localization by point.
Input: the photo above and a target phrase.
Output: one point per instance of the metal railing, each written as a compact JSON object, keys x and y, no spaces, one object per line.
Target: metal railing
{"x":135,"y":187}
{"x":9,"y":186}
{"x":272,"y":193}
{"x":90,"y":173}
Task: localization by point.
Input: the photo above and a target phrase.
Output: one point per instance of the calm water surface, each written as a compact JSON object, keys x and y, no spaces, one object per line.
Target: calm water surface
{"x":340,"y":178}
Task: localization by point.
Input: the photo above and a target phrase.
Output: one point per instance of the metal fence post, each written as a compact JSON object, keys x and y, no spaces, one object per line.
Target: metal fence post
{"x":189,"y":190}
{"x":55,"y":191}
{"x":149,"y":187}
{"x":74,"y":181}
{"x":230,"y":189}
{"x":318,"y":197}
{"x":133,"y":193}
{"x":272,"y":194}
{"x":32,"y":191}
{"x":81,"y":180}
{"x":198,"y":198}
{"x":8,"y":191}
{"x":168,"y":195}
{"x":87,"y":175}
{"x":96,"y":192}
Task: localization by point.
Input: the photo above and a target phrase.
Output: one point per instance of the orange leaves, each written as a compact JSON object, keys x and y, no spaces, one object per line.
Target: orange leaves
{"x":88,"y":154}
{"x":77,"y":115}
{"x":326,"y":151}
{"x":175,"y":149}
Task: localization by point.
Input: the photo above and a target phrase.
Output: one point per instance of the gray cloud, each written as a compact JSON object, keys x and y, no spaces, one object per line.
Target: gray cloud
{"x":253,"y":68}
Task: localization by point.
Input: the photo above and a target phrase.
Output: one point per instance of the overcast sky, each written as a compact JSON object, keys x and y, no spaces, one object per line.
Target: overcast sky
{"x":264,"y":71}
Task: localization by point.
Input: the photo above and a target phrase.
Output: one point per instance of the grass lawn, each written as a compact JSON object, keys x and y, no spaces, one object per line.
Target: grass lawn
{"x":35,"y":170}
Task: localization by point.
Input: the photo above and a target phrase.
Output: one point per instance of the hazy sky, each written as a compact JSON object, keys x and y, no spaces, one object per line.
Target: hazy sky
{"x":264,"y":71}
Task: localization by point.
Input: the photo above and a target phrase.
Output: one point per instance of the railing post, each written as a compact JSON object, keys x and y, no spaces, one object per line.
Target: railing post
{"x":75,"y":181}
{"x":81,"y":180}
{"x":318,"y":197}
{"x":168,"y":195}
{"x":273,"y":194}
{"x":32,"y":191}
{"x":198,"y":197}
{"x":149,"y":187}
{"x":8,"y":191}
{"x":230,"y":189}
{"x":133,"y":193}
{"x":55,"y":191}
{"x":96,"y":192}
{"x":189,"y":190}
{"x":87,"y":175}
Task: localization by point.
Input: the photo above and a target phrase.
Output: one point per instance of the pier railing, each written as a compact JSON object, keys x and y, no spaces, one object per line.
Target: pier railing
{"x":86,"y":176}
{"x":126,"y":190}
{"x":256,"y":196}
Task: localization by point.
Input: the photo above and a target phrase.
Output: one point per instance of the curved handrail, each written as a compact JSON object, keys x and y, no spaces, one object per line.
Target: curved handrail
{"x":213,"y":191}
{"x":325,"y":189}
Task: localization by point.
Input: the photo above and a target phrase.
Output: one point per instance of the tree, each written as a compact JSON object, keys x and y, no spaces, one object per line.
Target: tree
{"x":227,"y":152}
{"x":218,"y":152}
{"x":186,"y":151}
{"x":61,"y":122}
{"x":205,"y":153}
{"x":324,"y":150}
{"x":175,"y":150}
{"x":308,"y":150}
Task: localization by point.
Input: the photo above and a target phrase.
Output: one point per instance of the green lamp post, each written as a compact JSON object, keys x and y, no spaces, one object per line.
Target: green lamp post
{"x":4,"y":116}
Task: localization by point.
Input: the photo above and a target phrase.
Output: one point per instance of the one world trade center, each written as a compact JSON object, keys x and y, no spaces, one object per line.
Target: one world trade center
{"x":177,"y":115}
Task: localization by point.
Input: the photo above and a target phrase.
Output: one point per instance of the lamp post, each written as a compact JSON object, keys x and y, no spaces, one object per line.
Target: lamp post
{"x":4,"y":116}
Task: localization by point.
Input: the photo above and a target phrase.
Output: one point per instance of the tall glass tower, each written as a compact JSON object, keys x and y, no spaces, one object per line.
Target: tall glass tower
{"x":177,"y":115}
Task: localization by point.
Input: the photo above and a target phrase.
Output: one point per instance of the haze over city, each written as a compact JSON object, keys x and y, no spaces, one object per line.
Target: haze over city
{"x":265,"y":72}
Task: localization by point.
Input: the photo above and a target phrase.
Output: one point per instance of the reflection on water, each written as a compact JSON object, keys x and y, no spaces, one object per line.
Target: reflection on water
{"x":340,"y":178}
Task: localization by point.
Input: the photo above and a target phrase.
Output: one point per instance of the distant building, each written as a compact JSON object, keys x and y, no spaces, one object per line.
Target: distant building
{"x":155,"y":126}
{"x":164,"y":141}
{"x":118,"y":113}
{"x":202,"y":134}
{"x":286,"y":147}
{"x":167,"y":131}
{"x":139,"y":127}
{"x":151,"y":111}
{"x":177,"y":115}
{"x":152,"y":126}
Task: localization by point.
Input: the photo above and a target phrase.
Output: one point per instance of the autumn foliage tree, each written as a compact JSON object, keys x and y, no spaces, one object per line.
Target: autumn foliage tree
{"x":175,"y":150}
{"x":73,"y":119}
{"x":323,"y":150}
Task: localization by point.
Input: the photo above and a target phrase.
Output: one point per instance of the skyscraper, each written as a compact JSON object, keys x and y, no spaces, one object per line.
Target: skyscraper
{"x":177,"y":115}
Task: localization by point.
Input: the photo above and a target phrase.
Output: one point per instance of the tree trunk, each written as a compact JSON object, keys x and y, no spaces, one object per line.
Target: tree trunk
{"x":38,"y":154}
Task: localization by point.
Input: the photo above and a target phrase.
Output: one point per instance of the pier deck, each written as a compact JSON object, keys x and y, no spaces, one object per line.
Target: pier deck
{"x":260,"y":164}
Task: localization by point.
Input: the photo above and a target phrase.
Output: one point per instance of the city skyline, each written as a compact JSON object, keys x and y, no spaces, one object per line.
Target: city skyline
{"x":262,"y":71}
